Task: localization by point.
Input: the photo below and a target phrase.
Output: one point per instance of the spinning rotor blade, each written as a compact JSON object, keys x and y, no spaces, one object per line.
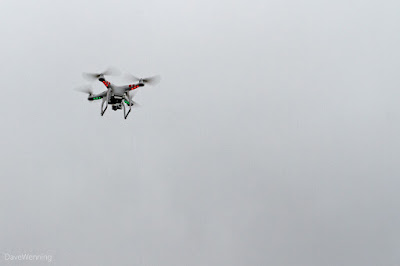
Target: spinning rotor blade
{"x":131,"y":94}
{"x":85,"y":89}
{"x":134,"y":104}
{"x":150,"y":80}
{"x":109,"y":72}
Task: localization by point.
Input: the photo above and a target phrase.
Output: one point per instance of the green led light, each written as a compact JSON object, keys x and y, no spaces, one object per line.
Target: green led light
{"x":127,"y":102}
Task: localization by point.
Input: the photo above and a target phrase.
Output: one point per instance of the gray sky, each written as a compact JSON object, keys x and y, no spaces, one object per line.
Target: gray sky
{"x":272,"y":138}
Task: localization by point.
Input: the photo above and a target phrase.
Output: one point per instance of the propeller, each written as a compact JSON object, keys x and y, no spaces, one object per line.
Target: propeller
{"x":131,"y":94}
{"x":85,"y":89}
{"x":108,"y":72}
{"x":150,"y":80}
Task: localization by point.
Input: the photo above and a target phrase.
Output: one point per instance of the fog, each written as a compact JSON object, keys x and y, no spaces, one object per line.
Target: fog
{"x":272,"y":138}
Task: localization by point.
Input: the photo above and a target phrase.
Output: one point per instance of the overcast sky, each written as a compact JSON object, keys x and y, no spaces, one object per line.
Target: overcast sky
{"x":272,"y":139}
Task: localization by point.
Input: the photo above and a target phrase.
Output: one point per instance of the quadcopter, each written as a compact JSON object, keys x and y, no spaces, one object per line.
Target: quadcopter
{"x":116,"y":96}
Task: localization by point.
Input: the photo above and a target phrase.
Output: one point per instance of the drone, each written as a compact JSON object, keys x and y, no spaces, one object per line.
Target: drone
{"x":116,"y":96}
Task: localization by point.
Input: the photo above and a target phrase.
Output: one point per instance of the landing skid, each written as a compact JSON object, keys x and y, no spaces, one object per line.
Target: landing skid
{"x":130,"y":108}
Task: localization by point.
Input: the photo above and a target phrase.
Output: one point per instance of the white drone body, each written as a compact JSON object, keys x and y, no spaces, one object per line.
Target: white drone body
{"x":117,"y":96}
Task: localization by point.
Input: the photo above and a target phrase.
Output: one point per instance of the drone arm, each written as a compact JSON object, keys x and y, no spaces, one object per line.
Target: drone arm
{"x":105,"y":82}
{"x":93,"y":97}
{"x":97,"y":96}
{"x":133,"y":87}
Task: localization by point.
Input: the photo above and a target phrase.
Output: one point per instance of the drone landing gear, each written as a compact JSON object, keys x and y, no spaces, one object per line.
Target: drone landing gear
{"x":130,"y":108}
{"x":128,"y":113}
{"x":103,"y":110}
